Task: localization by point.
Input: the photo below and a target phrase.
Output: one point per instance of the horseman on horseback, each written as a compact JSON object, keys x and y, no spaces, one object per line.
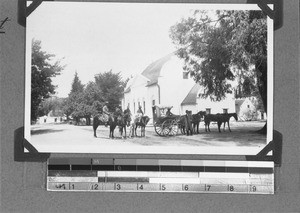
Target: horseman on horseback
{"x":140,"y":113}
{"x":106,"y":114}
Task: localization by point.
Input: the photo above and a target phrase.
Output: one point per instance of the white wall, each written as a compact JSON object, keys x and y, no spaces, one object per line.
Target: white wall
{"x":173,"y":87}
{"x":217,"y":107}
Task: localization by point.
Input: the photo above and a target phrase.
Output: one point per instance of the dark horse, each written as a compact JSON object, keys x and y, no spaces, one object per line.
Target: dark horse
{"x":122,"y":122}
{"x":219,"y":118}
{"x":113,"y":122}
{"x":196,"y":120}
{"x":139,"y":123}
{"x":99,"y":120}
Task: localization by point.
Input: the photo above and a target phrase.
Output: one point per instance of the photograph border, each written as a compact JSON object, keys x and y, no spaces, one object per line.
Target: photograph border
{"x":270,"y":108}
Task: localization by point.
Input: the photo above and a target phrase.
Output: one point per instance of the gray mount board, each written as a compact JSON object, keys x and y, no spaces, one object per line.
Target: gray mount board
{"x":23,"y":183}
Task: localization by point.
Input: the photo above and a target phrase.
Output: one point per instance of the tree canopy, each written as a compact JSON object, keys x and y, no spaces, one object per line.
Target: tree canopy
{"x":221,"y":46}
{"x":85,"y":101}
{"x":43,"y":68}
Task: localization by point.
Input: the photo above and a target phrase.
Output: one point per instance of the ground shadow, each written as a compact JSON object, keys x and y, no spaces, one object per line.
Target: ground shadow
{"x":44,"y":131}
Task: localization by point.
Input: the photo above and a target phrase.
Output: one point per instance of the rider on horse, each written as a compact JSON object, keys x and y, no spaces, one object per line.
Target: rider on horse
{"x":118,"y":112}
{"x":106,"y":113}
{"x":140,"y":113}
{"x":127,"y":111}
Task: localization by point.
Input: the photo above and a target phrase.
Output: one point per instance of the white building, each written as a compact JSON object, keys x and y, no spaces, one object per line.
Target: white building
{"x":246,"y":109}
{"x":164,"y":82}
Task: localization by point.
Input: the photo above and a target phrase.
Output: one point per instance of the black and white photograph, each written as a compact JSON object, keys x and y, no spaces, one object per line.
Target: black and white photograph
{"x":149,"y":78}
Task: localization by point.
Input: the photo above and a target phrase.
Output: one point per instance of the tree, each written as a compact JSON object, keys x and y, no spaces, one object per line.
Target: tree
{"x":111,"y":86}
{"x":42,"y":70}
{"x":50,"y":104}
{"x":72,"y":103}
{"x":77,"y":86}
{"x":213,"y":44}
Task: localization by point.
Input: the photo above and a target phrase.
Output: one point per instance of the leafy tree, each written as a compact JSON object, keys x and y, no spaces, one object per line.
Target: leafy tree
{"x":77,"y":86}
{"x":212,"y":44}
{"x":111,"y":86}
{"x":50,"y":104}
{"x":42,"y":70}
{"x":71,"y":104}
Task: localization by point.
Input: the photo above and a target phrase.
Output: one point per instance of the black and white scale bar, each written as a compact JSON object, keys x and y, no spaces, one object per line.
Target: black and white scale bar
{"x":152,"y":175}
{"x":160,"y":165}
{"x":160,"y":187}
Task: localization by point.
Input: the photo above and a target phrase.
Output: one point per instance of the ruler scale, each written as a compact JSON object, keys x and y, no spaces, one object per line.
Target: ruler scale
{"x":154,"y":175}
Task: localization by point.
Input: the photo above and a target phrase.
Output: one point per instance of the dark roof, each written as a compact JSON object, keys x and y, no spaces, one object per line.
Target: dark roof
{"x":191,"y":97}
{"x":152,"y":72}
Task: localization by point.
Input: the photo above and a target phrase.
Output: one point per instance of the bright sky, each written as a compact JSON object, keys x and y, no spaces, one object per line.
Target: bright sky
{"x":96,"y":37}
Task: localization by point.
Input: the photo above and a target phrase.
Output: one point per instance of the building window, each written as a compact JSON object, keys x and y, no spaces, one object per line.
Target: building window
{"x":144,"y":105}
{"x":153,"y":102}
{"x":225,"y":111}
{"x":208,"y":110}
{"x":248,"y":106}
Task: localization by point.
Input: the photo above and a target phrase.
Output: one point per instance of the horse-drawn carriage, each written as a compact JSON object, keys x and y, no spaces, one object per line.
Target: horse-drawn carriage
{"x":165,"y":123}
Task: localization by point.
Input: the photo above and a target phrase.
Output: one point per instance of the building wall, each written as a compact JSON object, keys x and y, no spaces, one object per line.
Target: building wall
{"x":218,"y":106}
{"x":248,"y":111}
{"x":173,"y":87}
{"x":141,"y":94}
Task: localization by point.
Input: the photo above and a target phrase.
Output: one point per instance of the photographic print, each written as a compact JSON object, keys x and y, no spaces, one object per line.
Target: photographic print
{"x":149,"y":78}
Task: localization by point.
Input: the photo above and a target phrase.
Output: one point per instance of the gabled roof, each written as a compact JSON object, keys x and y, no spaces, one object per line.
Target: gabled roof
{"x":152,"y":72}
{"x":191,"y":97}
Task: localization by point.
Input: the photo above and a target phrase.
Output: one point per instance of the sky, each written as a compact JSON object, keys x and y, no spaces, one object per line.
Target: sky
{"x":95,"y":37}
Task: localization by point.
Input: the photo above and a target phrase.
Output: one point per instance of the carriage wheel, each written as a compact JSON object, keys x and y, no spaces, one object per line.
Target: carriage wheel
{"x":173,"y":128}
{"x":170,"y":127}
{"x":160,"y":130}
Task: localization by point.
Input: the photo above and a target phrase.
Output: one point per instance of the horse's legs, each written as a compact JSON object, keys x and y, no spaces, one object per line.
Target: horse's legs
{"x":219,"y":125}
{"x":208,"y":126}
{"x":95,"y":128}
{"x":229,"y":127}
{"x":135,"y":130}
{"x":224,"y":126}
{"x":111,"y":131}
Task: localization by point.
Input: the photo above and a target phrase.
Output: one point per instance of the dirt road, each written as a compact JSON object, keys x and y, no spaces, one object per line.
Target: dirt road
{"x":79,"y":139}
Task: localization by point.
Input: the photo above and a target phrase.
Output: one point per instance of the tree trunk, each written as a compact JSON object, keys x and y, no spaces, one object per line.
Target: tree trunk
{"x":262,"y":82}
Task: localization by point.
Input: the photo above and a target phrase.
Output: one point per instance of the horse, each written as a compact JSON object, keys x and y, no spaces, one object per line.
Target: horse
{"x":100,"y":120}
{"x":139,"y":122}
{"x":122,"y":122}
{"x":219,"y":118}
{"x":226,"y":118}
{"x":196,"y":120}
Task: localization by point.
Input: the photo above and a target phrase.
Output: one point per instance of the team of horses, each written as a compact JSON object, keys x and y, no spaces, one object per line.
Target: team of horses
{"x":189,"y":123}
{"x":121,"y":121}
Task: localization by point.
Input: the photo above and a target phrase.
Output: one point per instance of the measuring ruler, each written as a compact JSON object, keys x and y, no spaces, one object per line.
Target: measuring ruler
{"x":155,"y":175}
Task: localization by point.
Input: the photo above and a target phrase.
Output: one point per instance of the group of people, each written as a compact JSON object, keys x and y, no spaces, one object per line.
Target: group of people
{"x":118,"y":112}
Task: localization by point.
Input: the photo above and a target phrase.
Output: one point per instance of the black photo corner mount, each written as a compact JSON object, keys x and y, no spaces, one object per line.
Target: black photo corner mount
{"x":276,"y":14}
{"x":275,"y":146}
{"x":20,"y":144}
{"x":34,"y":156}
